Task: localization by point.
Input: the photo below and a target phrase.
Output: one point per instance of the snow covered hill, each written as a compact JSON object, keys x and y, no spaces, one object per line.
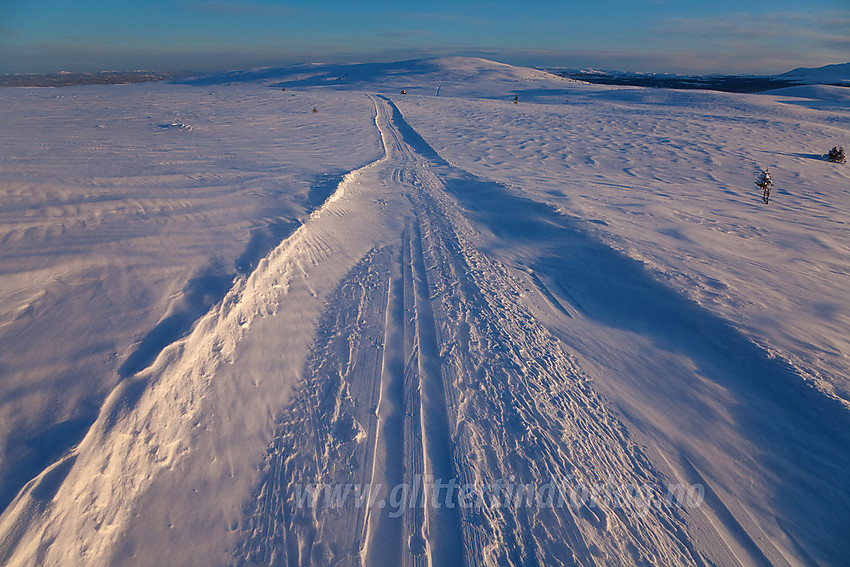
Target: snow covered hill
{"x":445,"y":76}
{"x":827,"y":75}
{"x":294,"y":317}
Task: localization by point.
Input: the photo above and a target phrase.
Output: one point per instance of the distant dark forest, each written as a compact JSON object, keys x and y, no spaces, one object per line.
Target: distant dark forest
{"x":75,"y":79}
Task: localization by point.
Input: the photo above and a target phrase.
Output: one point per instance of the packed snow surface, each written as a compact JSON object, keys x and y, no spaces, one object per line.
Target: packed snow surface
{"x":501,"y":319}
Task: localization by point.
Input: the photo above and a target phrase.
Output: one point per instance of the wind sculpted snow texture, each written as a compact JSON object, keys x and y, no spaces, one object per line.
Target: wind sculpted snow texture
{"x":541,"y":294}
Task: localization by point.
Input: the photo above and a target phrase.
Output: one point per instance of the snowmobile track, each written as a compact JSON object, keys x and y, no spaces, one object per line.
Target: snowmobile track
{"x":447,"y":377}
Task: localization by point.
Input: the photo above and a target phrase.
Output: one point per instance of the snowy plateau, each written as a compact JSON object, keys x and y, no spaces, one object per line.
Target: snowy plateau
{"x":295,"y":317}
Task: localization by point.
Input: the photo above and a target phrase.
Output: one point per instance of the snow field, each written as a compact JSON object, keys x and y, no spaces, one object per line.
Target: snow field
{"x":589,"y":293}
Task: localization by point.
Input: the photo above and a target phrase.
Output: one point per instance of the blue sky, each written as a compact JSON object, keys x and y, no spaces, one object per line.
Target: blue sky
{"x":757,"y":36}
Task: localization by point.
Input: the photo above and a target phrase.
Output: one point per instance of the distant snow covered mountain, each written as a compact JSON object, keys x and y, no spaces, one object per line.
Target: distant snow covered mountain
{"x":452,"y":76}
{"x":826,"y":75}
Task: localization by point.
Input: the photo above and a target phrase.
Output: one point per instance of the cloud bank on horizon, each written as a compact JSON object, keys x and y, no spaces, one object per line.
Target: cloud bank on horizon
{"x":755,"y":36}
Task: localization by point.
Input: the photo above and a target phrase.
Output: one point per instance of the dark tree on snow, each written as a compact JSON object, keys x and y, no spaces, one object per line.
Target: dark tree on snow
{"x":765,"y":182}
{"x":836,"y":155}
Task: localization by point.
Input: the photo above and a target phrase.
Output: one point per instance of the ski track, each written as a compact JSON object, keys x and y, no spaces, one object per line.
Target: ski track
{"x":425,"y":364}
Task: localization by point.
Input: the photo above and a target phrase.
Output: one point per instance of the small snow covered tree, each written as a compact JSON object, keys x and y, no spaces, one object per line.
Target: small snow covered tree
{"x":836,"y":155}
{"x":765,"y":182}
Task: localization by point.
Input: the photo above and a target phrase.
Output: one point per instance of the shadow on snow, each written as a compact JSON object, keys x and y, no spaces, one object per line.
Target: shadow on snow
{"x":803,"y":434}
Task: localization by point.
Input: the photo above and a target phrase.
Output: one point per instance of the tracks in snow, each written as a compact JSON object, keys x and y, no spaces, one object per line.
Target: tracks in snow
{"x":417,"y":360}
{"x":420,"y":371}
{"x":426,"y":367}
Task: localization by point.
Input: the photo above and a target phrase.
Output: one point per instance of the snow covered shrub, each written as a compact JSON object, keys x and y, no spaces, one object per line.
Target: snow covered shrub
{"x":764,"y":182}
{"x":836,"y":155}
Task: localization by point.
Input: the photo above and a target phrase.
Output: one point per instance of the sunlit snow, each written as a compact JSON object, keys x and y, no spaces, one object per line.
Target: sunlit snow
{"x":548,"y":304}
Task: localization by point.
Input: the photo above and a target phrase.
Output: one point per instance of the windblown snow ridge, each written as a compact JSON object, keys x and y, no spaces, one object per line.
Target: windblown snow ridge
{"x":73,"y":512}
